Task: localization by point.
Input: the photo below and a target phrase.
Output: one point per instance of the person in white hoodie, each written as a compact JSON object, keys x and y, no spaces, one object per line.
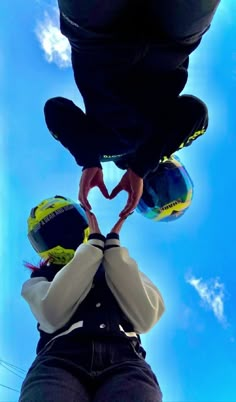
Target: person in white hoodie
{"x":91,"y":303}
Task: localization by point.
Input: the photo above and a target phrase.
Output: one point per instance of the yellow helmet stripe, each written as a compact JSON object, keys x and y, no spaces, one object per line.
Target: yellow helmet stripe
{"x":46,"y":208}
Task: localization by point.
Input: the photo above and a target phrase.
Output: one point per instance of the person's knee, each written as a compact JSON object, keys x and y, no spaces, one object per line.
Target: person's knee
{"x":53,"y":105}
{"x":194,"y":106}
{"x":54,"y":111}
{"x":50,"y":112}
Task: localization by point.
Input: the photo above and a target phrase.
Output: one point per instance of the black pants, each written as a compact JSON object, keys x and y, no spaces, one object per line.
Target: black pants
{"x":182,"y":124}
{"x":94,"y":371}
{"x":120,"y":70}
{"x":181,"y":20}
{"x":129,"y":80}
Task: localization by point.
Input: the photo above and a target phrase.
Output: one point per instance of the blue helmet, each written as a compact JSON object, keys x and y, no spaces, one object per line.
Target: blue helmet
{"x":167,"y":193}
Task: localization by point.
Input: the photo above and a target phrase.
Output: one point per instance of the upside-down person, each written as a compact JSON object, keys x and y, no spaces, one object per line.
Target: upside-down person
{"x":130,"y":62}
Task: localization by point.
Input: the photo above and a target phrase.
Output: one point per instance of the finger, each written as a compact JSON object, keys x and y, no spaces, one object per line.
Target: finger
{"x":95,"y":224}
{"x":128,"y":207}
{"x":132,"y":203}
{"x":83,"y":194}
{"x":127,"y":211}
{"x":103,"y":190}
{"x":120,"y":224}
{"x":84,"y":188}
{"x":117,"y":227}
{"x":115,"y":191}
{"x":92,"y":226}
{"x":124,"y":214}
{"x":88,"y":214}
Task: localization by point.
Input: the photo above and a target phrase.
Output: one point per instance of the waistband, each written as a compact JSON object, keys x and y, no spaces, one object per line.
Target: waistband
{"x":80,"y":324}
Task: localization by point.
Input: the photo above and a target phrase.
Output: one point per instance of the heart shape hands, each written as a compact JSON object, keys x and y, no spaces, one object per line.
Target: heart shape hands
{"x":93,"y":224}
{"x":130,"y":182}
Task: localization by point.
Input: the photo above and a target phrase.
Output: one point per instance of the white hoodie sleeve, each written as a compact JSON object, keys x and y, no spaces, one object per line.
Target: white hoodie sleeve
{"x":137,"y":296}
{"x":53,"y":303}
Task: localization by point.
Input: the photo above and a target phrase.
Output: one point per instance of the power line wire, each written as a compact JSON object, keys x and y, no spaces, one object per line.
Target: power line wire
{"x":12,"y":389}
{"x":13,"y":366}
{"x":11,"y":371}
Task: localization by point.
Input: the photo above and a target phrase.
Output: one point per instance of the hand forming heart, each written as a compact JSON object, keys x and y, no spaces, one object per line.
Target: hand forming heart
{"x":93,"y":224}
{"x":130,"y":182}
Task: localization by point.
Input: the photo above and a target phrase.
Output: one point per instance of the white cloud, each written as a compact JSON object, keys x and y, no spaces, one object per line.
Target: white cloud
{"x":212,"y":295}
{"x":55,"y":46}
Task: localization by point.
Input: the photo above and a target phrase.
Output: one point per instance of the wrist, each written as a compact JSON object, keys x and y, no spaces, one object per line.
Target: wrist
{"x":97,"y":236}
{"x":113,"y":235}
{"x":97,"y":240}
{"x":112,"y":240}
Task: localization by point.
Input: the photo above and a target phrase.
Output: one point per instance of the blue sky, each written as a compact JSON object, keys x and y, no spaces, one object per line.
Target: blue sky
{"x":192,"y":349}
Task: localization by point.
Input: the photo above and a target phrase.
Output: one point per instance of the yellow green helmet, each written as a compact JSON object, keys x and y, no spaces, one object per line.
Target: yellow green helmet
{"x":56,"y":227}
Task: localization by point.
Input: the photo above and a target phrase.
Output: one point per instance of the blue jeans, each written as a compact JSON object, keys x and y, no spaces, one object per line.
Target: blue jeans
{"x":94,"y":371}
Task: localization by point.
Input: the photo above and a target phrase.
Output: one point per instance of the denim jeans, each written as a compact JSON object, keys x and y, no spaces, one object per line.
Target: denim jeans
{"x":94,"y":371}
